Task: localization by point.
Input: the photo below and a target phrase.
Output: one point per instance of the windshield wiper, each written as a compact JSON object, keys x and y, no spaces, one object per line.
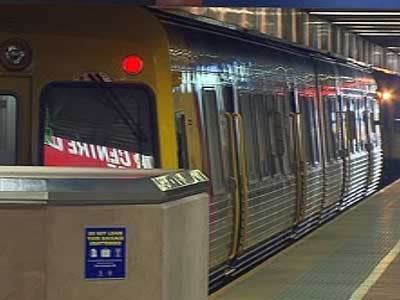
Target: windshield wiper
{"x":119,"y":108}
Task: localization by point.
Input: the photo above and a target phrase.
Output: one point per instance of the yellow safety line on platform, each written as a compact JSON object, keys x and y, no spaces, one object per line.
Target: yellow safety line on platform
{"x":363,"y":289}
{"x":386,"y":188}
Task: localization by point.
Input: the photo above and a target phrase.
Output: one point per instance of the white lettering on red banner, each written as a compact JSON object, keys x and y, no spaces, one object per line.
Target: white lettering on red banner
{"x":63,"y":152}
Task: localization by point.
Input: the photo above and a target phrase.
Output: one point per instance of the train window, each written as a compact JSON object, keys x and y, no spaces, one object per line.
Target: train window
{"x":266,"y":132}
{"x":227,"y":95}
{"x":371,"y":121}
{"x":352,"y":132}
{"x":309,"y":129}
{"x":272,"y":134}
{"x":345,"y":122}
{"x":287,"y":132}
{"x":211,"y":116}
{"x":8,"y":134}
{"x":363,"y":123}
{"x":226,"y":138}
{"x":357,"y":134}
{"x":183,"y":155}
{"x":307,"y":124}
{"x":331,"y":127}
{"x":279,"y":136}
{"x":269,"y":135}
{"x":251,"y":119}
{"x":351,"y":124}
{"x":281,"y":120}
{"x":99,"y":125}
{"x":338,"y":129}
{"x":260,"y":113}
{"x":357,"y":111}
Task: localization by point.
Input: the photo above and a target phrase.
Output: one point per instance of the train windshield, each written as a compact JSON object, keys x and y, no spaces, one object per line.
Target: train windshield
{"x":89,"y":124}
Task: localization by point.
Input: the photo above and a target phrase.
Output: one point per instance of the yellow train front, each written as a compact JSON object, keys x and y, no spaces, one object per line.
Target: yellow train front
{"x":289,"y":137}
{"x":67,"y":73}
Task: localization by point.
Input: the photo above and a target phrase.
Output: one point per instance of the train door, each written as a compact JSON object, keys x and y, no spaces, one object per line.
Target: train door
{"x":216,"y":104}
{"x":355,"y":158}
{"x":371,"y":119}
{"x":309,"y":159}
{"x":312,"y":172}
{"x":267,"y":187}
{"x":15,"y":121}
{"x":187,"y":129}
{"x":331,"y":137}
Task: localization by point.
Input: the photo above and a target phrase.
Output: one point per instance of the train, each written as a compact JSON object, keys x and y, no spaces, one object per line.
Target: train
{"x":389,"y":95}
{"x":290,"y":137}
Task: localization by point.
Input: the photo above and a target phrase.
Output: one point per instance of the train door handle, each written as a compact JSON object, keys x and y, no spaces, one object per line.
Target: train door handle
{"x":244,"y":181}
{"x":233,"y":183}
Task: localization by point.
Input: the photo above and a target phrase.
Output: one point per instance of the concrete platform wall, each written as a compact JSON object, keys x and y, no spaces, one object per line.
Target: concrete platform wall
{"x":43,"y":248}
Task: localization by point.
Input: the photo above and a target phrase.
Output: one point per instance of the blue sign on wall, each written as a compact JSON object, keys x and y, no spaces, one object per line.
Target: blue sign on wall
{"x":105,"y":253}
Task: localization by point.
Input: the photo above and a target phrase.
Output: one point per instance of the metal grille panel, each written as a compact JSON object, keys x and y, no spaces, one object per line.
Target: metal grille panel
{"x":376,"y":165}
{"x":271,"y":210}
{"x":356,"y":177}
{"x":312,"y":202}
{"x":333,"y":183}
{"x":221,"y":229}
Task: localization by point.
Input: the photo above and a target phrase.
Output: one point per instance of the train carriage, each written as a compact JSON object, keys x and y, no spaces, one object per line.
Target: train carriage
{"x":332,"y":135}
{"x":288,"y":136}
{"x":389,"y":91}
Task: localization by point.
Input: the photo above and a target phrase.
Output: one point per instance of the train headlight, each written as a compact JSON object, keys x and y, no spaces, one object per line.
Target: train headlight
{"x":15,"y":54}
{"x":385,"y":95}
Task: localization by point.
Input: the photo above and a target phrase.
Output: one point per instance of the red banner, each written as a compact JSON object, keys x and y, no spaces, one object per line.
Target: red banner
{"x":63,"y":152}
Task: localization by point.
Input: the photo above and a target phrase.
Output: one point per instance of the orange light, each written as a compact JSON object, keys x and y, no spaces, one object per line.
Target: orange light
{"x":386,"y":96}
{"x":132,"y":64}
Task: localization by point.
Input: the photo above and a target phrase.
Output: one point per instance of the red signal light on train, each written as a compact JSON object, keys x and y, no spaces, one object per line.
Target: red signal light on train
{"x":132,"y":64}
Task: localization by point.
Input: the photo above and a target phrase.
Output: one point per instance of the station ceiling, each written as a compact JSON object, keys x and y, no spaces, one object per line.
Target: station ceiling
{"x":380,"y":27}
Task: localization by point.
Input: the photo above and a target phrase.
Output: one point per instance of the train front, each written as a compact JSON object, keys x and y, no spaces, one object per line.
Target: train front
{"x":84,"y":86}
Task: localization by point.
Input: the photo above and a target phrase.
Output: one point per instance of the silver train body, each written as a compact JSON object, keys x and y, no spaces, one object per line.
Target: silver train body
{"x":291,"y":138}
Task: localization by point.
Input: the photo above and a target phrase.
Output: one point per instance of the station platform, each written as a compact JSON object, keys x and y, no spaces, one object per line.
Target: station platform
{"x":355,"y":256}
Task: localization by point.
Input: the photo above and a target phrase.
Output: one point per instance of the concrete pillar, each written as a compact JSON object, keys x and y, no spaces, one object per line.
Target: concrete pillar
{"x":43,"y":235}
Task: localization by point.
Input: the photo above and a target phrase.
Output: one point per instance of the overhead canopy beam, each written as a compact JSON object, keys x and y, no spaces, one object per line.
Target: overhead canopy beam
{"x":328,"y":4}
{"x":347,"y":4}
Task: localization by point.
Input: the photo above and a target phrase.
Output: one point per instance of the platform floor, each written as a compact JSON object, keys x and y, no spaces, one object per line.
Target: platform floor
{"x":356,"y":256}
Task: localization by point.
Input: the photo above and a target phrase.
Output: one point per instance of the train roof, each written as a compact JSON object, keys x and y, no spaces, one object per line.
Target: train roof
{"x":132,"y":21}
{"x":217,"y":27}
